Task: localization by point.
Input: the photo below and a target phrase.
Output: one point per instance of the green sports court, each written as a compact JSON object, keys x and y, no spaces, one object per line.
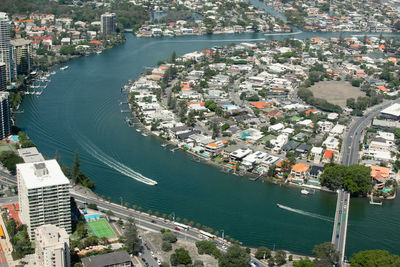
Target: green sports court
{"x":101,"y":228}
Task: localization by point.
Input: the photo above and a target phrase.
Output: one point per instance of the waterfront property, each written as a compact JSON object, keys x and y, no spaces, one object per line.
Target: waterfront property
{"x":181,"y":174}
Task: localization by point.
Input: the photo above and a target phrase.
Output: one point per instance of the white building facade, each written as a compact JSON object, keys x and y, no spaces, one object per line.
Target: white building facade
{"x":44,"y":195}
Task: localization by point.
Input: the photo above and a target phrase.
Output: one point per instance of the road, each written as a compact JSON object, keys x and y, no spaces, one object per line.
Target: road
{"x":352,"y":139}
{"x":147,"y":222}
{"x":340,"y":224}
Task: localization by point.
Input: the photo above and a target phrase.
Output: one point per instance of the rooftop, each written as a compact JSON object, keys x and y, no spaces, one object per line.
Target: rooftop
{"x":300,"y":167}
{"x":392,"y":110}
{"x":109,"y":259}
{"x":30,"y":154}
{"x":42,"y":174}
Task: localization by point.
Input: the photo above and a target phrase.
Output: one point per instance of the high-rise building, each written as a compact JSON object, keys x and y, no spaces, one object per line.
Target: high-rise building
{"x":108,"y":23}
{"x":5,"y":47}
{"x":43,"y":195}
{"x":5,"y":118}
{"x":52,"y":246}
{"x":3,"y":78}
{"x":23,"y":55}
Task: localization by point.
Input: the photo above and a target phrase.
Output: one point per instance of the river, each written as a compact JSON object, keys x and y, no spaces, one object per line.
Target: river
{"x":80,"y":110}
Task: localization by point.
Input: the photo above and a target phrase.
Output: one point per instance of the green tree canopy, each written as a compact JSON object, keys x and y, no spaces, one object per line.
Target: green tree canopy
{"x":9,"y":160}
{"x":355,"y":178}
{"x":325,"y":255}
{"x":131,"y":239}
{"x":235,"y":257}
{"x":263,"y":252}
{"x":180,"y":256}
{"x":372,"y":258}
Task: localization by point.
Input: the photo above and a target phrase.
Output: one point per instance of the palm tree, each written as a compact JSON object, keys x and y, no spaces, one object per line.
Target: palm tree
{"x":164,"y":215}
{"x":170,"y":216}
{"x":185,"y":221}
{"x":134,"y":206}
{"x":149,"y":212}
{"x":217,"y":233}
{"x":191,"y":223}
{"x":127,"y":204}
{"x":178,"y":219}
{"x":198,"y":225}
{"x":157,"y":213}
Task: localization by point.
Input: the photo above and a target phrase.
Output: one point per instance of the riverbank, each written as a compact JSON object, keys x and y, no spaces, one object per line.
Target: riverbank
{"x":191,"y":190}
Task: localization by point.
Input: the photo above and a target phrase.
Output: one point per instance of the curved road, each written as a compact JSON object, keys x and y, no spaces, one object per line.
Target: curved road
{"x":352,"y":139}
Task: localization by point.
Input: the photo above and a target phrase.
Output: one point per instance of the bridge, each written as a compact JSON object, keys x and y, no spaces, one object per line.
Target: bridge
{"x":340,"y":224}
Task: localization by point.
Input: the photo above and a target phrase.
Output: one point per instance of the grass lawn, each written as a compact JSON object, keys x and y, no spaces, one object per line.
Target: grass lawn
{"x":4,"y":147}
{"x":101,"y":228}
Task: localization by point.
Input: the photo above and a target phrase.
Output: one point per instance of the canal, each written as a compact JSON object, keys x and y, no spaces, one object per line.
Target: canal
{"x":80,"y":111}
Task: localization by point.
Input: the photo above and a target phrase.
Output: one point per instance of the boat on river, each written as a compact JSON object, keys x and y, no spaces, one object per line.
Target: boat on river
{"x":64,"y":68}
{"x":304,"y":192}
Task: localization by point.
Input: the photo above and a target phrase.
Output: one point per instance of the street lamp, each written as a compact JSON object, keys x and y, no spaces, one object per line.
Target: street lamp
{"x":173,"y":218}
{"x":121,"y":200}
{"x":223,"y":233}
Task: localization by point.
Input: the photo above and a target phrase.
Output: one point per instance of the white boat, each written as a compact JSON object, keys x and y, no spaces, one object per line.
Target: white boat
{"x":138,"y":130}
{"x":99,"y":52}
{"x":53,"y":72}
{"x":304,"y":192}
{"x":64,"y":68}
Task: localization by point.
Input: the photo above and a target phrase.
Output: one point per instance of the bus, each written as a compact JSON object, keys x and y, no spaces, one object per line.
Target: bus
{"x":207,"y":235}
{"x":181,"y":226}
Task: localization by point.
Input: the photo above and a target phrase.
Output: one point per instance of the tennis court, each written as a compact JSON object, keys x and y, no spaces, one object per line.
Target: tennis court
{"x":101,"y":228}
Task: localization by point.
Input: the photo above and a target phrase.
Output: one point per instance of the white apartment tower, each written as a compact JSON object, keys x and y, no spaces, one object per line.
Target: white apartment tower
{"x":108,"y":23}
{"x":6,"y":50}
{"x":52,"y":246}
{"x":44,"y":195}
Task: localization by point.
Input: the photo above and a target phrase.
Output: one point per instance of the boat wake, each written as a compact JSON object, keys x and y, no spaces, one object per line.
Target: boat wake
{"x":112,"y":163}
{"x":306,"y":213}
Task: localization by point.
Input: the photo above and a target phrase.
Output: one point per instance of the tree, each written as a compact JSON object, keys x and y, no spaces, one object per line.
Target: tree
{"x":57,"y":157}
{"x":356,"y":83}
{"x":325,"y":255}
{"x":109,"y":213}
{"x":208,"y":247}
{"x":75,"y":167}
{"x":169,"y":237}
{"x":303,"y":263}
{"x":180,"y":256}
{"x":263,"y":253}
{"x":9,"y":160}
{"x":355,"y":178}
{"x":173,"y":57}
{"x":235,"y":256}
{"x":371,"y":258}
{"x":280,"y":257}
{"x":131,"y":239}
{"x":166,"y":246}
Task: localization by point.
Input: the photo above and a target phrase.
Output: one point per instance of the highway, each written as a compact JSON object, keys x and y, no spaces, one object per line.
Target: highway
{"x":340,"y":225}
{"x":352,"y":139}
